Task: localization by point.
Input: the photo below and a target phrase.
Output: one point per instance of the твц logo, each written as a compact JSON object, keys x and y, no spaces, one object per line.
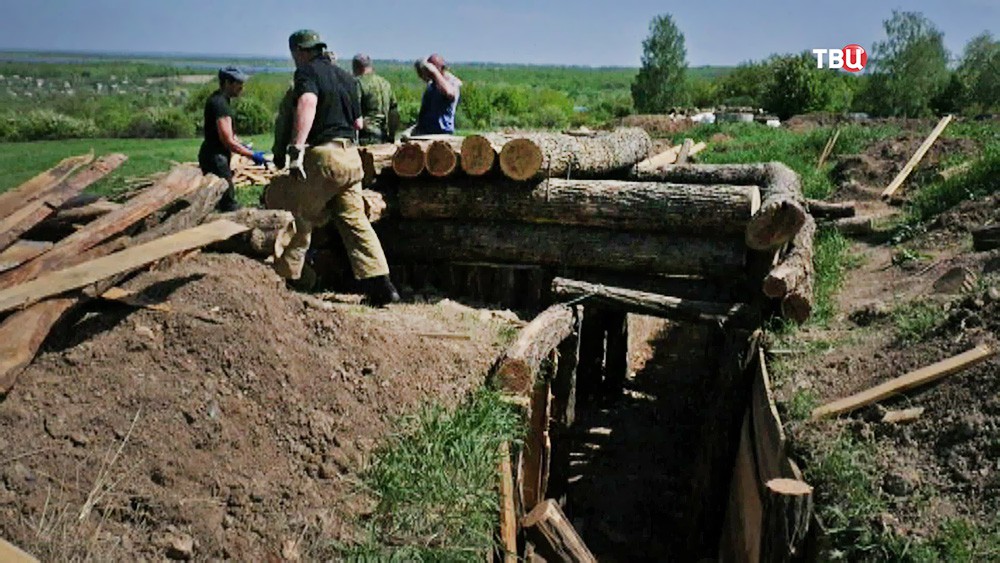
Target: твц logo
{"x":851,"y":58}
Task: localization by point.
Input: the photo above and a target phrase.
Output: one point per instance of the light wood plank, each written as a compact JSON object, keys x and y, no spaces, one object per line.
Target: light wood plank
{"x":84,"y":274}
{"x":20,"y":252}
{"x":913,"y":379}
{"x":916,"y":158}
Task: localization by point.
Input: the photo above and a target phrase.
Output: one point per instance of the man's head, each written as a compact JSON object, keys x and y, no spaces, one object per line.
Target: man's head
{"x":305,"y":45}
{"x":361,"y":64}
{"x":438,"y":61}
{"x":231,"y":81}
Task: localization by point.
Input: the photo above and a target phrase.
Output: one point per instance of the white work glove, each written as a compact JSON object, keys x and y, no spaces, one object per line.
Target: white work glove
{"x":295,"y":167}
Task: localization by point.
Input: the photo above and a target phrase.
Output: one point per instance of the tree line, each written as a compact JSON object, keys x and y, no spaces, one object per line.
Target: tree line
{"x":909,"y":74}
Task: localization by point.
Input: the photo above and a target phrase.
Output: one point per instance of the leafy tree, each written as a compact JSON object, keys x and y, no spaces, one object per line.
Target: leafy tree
{"x":745,"y":85}
{"x":660,"y":82}
{"x":909,"y":68}
{"x":797,"y":86}
{"x":979,"y":74}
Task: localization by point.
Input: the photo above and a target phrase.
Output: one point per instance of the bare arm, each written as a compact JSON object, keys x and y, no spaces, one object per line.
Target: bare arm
{"x":228,"y":138}
{"x":305,"y":114}
{"x":442,"y":83}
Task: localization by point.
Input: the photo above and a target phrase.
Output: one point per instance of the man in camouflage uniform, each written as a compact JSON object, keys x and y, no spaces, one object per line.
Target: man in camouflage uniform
{"x":378,"y":105}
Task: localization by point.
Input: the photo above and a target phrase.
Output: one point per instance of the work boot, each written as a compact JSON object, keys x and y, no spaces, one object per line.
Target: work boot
{"x":379,"y":291}
{"x":228,"y":203}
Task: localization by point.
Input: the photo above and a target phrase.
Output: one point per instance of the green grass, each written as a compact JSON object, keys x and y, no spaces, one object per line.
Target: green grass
{"x":21,"y":161}
{"x":832,"y":260}
{"x":916,"y":320}
{"x":435,"y":483}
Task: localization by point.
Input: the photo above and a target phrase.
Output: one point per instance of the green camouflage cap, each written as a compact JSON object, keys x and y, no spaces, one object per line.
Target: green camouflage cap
{"x":305,"y":39}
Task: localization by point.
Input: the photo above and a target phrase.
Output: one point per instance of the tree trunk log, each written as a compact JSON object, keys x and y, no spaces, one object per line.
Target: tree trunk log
{"x":787,"y":512}
{"x":554,"y":536}
{"x":515,"y":372}
{"x":409,"y":159}
{"x":375,"y":159}
{"x":830,"y":210}
{"x":270,"y":232}
{"x":181,"y":181}
{"x":16,"y":198}
{"x":542,"y":155}
{"x":632,"y":206}
{"x":782,"y":208}
{"x":22,"y":219}
{"x":480,"y":153}
{"x":986,"y":238}
{"x":572,"y":247}
{"x":685,"y":287}
{"x":23,"y":332}
{"x":442,"y":157}
{"x":618,"y":299}
{"x":795,"y":267}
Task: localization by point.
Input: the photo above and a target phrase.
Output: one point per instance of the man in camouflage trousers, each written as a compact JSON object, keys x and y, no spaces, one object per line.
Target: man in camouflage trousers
{"x":378,"y":104}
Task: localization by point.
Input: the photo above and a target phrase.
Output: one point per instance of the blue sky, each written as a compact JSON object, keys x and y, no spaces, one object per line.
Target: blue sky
{"x":583,"y":32}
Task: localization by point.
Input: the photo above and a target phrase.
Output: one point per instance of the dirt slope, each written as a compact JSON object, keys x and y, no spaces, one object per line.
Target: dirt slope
{"x":236,"y":424}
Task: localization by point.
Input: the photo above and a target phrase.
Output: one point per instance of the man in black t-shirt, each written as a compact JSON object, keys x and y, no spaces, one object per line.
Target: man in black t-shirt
{"x":324,"y":180}
{"x":220,"y":140}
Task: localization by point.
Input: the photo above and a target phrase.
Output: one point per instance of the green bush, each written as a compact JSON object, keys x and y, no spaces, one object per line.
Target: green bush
{"x":47,"y":125}
{"x":161,"y":123}
{"x":251,"y":116}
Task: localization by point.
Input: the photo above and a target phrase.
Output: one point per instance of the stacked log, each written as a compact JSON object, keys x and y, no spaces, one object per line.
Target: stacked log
{"x":556,"y":155}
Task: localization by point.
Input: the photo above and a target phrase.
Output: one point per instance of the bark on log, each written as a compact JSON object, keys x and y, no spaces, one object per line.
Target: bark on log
{"x":515,"y":372}
{"x":554,"y":536}
{"x":986,"y":238}
{"x":684,"y":287}
{"x":830,"y":210}
{"x":541,"y":155}
{"x":796,"y":268}
{"x":642,"y":303}
{"x":375,"y":159}
{"x":855,"y":226}
{"x":480,"y":153}
{"x":378,"y":205}
{"x":23,"y":332}
{"x":442,"y":157}
{"x":632,"y":206}
{"x":782,"y":208}
{"x":270,"y":232}
{"x":18,"y":197}
{"x":180,"y":182}
{"x":572,"y":247}
{"x":21,"y":220}
{"x":409,"y":159}
{"x":787,"y":512}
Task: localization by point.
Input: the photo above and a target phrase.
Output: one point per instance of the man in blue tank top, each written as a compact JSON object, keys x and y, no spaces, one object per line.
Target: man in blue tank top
{"x":437,"y":107}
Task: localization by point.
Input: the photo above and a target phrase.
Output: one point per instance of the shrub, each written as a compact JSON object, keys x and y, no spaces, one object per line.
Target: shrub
{"x":161,"y":123}
{"x":251,"y":116}
{"x":46,"y":125}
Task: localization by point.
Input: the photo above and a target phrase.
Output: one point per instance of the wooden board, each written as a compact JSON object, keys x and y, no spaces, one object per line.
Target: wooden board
{"x":20,"y":196}
{"x":20,"y":252}
{"x":913,"y":379}
{"x":770,"y":445}
{"x":508,"y":518}
{"x":536,"y":454}
{"x":10,"y":553}
{"x":915,"y":159}
{"x":745,"y":514}
{"x":86,"y":273}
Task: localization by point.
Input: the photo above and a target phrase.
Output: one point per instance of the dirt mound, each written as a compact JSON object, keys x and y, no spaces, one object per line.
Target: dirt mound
{"x":658,"y":125}
{"x":864,"y":176}
{"x":233,"y":427}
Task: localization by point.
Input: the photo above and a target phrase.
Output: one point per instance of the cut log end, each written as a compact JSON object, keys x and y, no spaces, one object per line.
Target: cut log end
{"x":774,"y":225}
{"x":521,"y":159}
{"x":515,"y":377}
{"x":792,"y":487}
{"x":440,"y":160}
{"x":408,"y":162}
{"x":478,"y":156}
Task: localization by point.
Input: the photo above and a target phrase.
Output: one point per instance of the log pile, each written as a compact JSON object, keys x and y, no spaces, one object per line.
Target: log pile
{"x":59,"y":248}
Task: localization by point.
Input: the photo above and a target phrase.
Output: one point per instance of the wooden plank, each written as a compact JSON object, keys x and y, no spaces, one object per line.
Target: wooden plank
{"x":770,"y":444}
{"x":554,"y":536}
{"x":86,"y":273}
{"x":508,"y":519}
{"x":21,"y":252}
{"x":922,"y":376}
{"x":10,"y":553}
{"x":905,"y":415}
{"x":685,"y":152}
{"x":180,"y":182}
{"x":915,"y":159}
{"x":745,"y":513}
{"x":20,"y":196}
{"x":828,"y":149}
{"x":534,"y":462}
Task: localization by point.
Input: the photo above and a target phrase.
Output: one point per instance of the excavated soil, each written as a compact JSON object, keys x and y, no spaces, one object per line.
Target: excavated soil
{"x":234,"y":426}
